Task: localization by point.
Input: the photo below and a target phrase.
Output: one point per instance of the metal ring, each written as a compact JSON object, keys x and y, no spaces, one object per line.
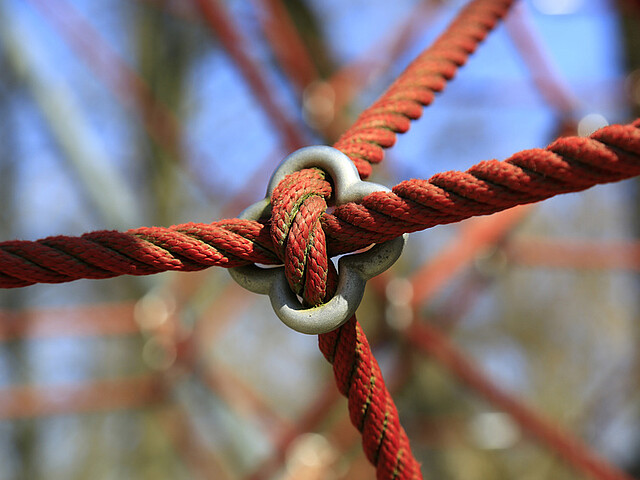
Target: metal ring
{"x":354,"y":270}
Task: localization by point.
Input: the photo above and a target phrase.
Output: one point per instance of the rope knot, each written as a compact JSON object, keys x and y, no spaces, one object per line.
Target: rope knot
{"x":297,"y":200}
{"x":298,"y":203}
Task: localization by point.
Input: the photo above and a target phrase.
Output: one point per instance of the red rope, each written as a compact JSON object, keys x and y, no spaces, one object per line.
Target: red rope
{"x":376,"y":127}
{"x":371,"y":408}
{"x":569,"y":164}
{"x":299,"y":223}
{"x":230,"y":243}
{"x":551,"y":85}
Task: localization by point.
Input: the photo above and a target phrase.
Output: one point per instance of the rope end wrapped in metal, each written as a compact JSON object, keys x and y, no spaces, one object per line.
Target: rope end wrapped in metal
{"x":354,"y":270}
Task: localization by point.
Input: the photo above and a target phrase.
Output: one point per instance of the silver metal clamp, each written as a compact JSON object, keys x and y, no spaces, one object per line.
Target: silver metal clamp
{"x":354,"y":270}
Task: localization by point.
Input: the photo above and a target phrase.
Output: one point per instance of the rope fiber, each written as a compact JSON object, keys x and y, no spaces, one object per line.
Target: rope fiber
{"x":377,"y":126}
{"x":570,"y":164}
{"x":302,"y":235}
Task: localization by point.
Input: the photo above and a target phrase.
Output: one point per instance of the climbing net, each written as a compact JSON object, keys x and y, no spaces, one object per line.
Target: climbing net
{"x":302,"y":233}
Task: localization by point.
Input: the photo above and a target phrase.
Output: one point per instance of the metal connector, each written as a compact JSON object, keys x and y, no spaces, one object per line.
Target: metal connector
{"x":354,"y":270}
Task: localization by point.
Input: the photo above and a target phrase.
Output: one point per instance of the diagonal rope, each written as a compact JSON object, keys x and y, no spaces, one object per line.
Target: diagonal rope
{"x":371,"y":408}
{"x":377,"y":126}
{"x":218,"y":20}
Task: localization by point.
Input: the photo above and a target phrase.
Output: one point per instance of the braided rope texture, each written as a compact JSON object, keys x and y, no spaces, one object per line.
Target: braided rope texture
{"x":298,"y":204}
{"x":377,"y":126}
{"x":569,"y":164}
{"x":371,"y":408}
{"x":232,"y":243}
{"x":301,"y":234}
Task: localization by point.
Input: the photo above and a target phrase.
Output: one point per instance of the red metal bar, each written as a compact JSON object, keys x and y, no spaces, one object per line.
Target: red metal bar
{"x":220,"y":23}
{"x":536,"y":57}
{"x":308,"y":422}
{"x":241,"y":397}
{"x":244,"y":400}
{"x":286,"y":43}
{"x":477,"y":235}
{"x":574,"y":253}
{"x":430,"y":341}
{"x":104,"y":395}
{"x":202,"y":462}
{"x":231,"y":301}
{"x":85,"y":321}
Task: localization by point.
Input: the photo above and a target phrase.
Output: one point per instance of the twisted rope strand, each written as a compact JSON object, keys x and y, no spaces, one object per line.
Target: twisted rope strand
{"x":569,"y":164}
{"x":371,"y":407}
{"x":298,"y":203}
{"x":375,"y":130}
{"x":140,"y":251}
{"x":377,"y":126}
{"x":189,"y":247}
{"x":299,"y":223}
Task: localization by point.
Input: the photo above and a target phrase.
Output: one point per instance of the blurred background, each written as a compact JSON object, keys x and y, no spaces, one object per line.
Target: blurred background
{"x":117,"y":114}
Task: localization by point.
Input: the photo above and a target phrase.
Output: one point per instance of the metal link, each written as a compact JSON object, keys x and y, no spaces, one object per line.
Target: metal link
{"x":354,"y":270}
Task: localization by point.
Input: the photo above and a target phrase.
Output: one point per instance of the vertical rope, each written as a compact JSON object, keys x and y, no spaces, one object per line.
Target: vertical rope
{"x":371,"y":408}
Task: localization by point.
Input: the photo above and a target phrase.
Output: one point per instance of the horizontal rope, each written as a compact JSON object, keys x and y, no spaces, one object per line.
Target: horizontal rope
{"x":190,"y":247}
{"x":569,"y":164}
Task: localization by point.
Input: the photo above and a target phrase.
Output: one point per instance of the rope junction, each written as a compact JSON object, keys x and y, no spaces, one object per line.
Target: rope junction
{"x":301,"y":234}
{"x":569,"y":164}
